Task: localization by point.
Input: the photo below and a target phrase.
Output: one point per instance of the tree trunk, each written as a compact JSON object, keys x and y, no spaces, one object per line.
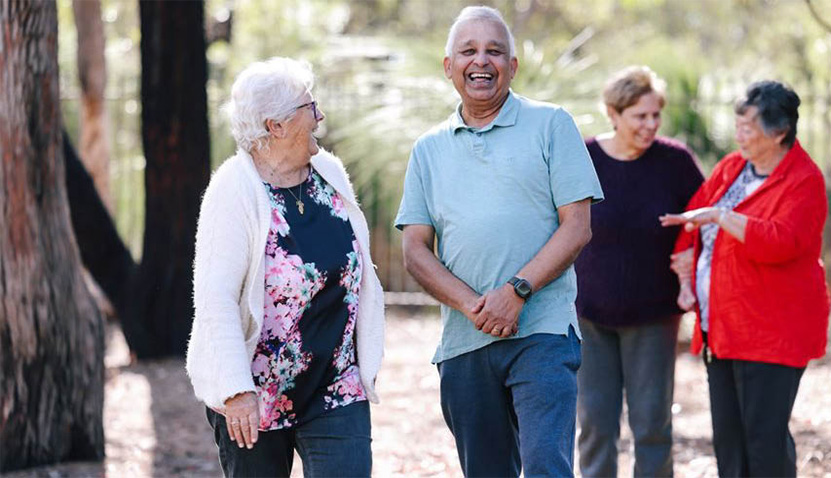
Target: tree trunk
{"x":103,"y":252}
{"x":177,"y":152}
{"x":94,"y":146}
{"x":51,"y":334}
{"x":153,"y":300}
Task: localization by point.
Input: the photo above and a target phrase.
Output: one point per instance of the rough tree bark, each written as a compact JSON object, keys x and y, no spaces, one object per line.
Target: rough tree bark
{"x":94,"y":145}
{"x":51,"y":334}
{"x":177,"y":151}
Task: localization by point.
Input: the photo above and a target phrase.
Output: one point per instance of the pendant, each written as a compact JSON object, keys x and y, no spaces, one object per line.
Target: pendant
{"x":299,"y":206}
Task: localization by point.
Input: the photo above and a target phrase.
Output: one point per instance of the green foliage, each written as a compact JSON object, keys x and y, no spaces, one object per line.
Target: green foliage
{"x":381,"y":84}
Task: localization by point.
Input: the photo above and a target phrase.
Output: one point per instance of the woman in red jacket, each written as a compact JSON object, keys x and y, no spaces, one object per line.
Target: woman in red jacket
{"x":750,"y":260}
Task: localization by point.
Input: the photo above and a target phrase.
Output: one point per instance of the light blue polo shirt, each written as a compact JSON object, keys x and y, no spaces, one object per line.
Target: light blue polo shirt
{"x":491,"y":194}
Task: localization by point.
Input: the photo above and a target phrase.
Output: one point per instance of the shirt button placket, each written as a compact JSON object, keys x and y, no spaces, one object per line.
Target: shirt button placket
{"x":479,"y":145}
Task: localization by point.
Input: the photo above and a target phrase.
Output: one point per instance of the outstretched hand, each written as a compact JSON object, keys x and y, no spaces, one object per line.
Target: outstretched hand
{"x":692,"y":219}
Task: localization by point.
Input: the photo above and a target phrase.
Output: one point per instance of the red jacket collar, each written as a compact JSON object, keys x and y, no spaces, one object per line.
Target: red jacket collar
{"x":795,"y":157}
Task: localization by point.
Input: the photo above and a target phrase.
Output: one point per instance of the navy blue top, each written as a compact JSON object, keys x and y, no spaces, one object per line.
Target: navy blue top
{"x":304,"y":363}
{"x":623,"y":274}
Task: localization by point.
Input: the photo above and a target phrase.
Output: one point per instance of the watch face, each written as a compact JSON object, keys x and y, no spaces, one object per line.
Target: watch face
{"x":523,"y":288}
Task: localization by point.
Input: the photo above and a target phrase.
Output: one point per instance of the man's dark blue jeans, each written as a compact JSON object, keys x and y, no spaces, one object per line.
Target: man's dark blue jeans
{"x":336,"y":443}
{"x":512,"y":405}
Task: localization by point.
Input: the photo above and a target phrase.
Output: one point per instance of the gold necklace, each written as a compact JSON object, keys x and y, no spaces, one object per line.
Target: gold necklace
{"x":298,"y":200}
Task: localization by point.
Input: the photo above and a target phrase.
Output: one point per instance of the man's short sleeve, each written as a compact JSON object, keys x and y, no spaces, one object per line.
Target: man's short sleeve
{"x":413,"y":208}
{"x":570,"y":168}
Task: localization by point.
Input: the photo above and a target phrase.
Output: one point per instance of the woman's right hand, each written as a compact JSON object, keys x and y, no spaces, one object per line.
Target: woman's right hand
{"x":686,"y":297}
{"x":692,"y":219}
{"x":242,"y":416}
{"x":682,"y":264}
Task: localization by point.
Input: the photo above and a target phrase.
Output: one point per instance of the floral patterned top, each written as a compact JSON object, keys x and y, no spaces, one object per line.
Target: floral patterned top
{"x":305,"y":362}
{"x":744,"y":185}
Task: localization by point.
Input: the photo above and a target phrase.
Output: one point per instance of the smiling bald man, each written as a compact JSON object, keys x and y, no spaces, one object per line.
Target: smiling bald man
{"x":505,"y":185}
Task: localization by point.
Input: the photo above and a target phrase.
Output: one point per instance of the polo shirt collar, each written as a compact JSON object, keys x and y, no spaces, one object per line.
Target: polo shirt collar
{"x":506,"y":117}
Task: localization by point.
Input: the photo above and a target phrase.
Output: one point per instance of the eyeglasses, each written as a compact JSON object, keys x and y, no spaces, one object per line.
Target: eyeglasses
{"x":315,"y":111}
{"x":313,"y":104}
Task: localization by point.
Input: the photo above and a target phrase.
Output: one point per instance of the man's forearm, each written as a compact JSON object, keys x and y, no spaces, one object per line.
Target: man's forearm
{"x":502,"y":306}
{"x":562,"y":248}
{"x":437,"y":280}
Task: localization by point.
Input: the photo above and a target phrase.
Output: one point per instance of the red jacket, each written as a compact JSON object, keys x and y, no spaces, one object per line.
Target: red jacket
{"x":768,"y":297}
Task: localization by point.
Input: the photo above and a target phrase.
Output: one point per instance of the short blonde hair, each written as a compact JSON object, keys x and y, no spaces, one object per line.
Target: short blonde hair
{"x":266,"y":90}
{"x":627,"y":86}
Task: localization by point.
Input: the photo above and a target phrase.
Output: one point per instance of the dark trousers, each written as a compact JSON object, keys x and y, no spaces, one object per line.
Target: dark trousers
{"x":336,"y":443}
{"x":641,"y":360}
{"x":751,"y":404}
{"x":512,"y":404}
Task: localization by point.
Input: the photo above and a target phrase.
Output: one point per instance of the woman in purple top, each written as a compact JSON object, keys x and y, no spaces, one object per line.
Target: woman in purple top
{"x":626,"y":290}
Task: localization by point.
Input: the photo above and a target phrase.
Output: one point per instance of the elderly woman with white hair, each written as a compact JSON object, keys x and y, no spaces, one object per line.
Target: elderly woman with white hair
{"x":288,"y":333}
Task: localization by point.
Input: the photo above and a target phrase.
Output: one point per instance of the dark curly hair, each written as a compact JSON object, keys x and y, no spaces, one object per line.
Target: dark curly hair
{"x":777,"y":108}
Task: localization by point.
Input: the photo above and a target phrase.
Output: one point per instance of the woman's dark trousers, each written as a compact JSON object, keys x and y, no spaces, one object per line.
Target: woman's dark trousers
{"x":751,"y":404}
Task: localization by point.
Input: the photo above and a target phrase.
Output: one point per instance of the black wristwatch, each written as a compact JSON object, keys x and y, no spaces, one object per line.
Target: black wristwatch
{"x":521,"y":286}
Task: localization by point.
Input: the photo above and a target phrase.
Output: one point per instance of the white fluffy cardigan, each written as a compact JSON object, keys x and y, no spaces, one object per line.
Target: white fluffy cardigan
{"x":229,"y":280}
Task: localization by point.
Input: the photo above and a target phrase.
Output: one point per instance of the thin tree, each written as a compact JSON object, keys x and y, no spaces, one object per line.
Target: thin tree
{"x":51,"y":334}
{"x":177,"y":151}
{"x":94,"y":145}
{"x":153,"y":298}
{"x":103,"y":252}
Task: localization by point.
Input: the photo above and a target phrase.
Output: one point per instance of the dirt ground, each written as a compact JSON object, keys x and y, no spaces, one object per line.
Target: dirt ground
{"x":155,"y":427}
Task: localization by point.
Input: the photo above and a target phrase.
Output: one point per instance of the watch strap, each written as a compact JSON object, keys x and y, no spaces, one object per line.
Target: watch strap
{"x":521,"y":286}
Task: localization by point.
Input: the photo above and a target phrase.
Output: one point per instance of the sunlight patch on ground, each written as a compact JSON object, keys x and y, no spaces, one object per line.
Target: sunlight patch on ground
{"x":131,"y":454}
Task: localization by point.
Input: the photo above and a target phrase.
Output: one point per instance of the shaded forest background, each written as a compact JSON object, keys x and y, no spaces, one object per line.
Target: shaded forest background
{"x":379,"y":77}
{"x":139,"y":91}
